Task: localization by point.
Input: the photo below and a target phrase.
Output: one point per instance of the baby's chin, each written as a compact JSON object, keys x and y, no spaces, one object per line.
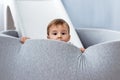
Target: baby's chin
{"x":60,"y":40}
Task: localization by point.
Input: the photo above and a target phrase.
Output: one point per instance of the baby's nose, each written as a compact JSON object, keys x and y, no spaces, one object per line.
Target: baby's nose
{"x":59,"y":35}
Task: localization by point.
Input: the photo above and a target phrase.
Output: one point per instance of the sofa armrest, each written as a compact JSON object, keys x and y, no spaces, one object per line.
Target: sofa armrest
{"x":12,"y":33}
{"x":91,"y":36}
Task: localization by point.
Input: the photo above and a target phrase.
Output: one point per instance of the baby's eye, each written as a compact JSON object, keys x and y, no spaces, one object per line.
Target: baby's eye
{"x":54,"y":33}
{"x":63,"y":33}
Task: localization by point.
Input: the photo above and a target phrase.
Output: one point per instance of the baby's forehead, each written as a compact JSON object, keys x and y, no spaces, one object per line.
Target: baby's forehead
{"x":59,"y":26}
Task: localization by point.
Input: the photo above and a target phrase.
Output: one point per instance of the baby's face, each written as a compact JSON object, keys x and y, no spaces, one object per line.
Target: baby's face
{"x":59,"y":32}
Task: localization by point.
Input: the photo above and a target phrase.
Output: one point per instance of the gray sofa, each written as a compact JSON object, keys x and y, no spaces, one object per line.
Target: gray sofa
{"x":55,"y":60}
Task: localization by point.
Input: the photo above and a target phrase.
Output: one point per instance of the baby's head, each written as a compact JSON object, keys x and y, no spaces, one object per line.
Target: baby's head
{"x":58,"y":29}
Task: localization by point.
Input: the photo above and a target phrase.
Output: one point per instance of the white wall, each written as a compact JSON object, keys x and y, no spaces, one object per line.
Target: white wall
{"x":94,"y":13}
{"x":1,"y":15}
{"x":13,"y":15}
{"x":34,"y":17}
{"x":89,"y":13}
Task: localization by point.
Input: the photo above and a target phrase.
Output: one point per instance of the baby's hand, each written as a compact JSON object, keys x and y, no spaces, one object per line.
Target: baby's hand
{"x":23,"y":39}
{"x":82,"y":49}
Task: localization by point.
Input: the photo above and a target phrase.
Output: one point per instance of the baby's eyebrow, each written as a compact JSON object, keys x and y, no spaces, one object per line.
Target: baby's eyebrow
{"x":64,"y":30}
{"x":54,"y":31}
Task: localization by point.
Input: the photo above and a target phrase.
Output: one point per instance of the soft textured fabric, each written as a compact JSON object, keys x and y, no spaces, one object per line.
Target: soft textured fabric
{"x":9,"y":48}
{"x":11,"y":33}
{"x":55,"y":60}
{"x":94,"y":36}
{"x":101,"y":62}
{"x":47,"y":60}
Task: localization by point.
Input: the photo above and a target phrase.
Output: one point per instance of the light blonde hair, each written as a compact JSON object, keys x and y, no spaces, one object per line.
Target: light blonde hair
{"x":57,"y":22}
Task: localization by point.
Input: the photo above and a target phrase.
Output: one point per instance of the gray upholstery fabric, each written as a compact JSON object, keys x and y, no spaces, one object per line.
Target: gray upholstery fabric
{"x":9,"y":44}
{"x":11,"y":33}
{"x":91,"y":37}
{"x":47,"y":60}
{"x":101,"y":62}
{"x":52,"y":60}
{"x":9,"y":47}
{"x":55,"y":60}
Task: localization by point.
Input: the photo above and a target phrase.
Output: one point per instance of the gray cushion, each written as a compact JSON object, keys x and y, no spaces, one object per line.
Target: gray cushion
{"x":9,"y":47}
{"x":47,"y":60}
{"x":101,"y":62}
{"x":54,"y":60}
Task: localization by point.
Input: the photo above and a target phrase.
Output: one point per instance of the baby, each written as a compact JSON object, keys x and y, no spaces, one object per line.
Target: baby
{"x":58,"y":29}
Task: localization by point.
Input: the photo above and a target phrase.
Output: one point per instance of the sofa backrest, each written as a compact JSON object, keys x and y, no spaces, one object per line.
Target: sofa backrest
{"x":90,"y":36}
{"x":11,"y":33}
